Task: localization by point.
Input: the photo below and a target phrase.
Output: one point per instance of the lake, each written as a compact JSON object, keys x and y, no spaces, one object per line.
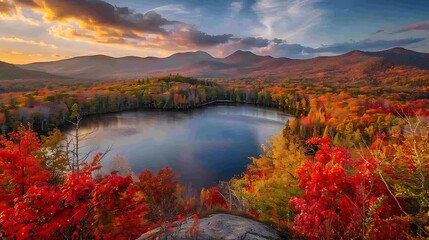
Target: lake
{"x":202,"y":146}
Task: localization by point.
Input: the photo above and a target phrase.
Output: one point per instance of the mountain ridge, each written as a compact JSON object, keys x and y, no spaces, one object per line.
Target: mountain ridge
{"x":237,"y":64}
{"x":9,"y":72}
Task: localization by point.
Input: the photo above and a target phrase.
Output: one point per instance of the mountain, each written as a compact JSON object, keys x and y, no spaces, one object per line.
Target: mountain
{"x":100,"y":66}
{"x":396,"y":62}
{"x":9,"y":71}
{"x":402,"y":56}
{"x":352,"y":65}
{"x":244,"y":58}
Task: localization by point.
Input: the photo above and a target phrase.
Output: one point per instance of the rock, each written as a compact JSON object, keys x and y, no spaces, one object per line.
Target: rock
{"x":218,"y":226}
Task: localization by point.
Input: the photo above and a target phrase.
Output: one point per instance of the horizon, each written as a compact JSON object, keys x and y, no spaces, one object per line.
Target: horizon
{"x":200,"y":51}
{"x":44,"y":30}
{"x":228,"y":119}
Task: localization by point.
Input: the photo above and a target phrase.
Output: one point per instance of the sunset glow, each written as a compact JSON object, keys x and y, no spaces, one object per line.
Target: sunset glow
{"x":47,"y":30}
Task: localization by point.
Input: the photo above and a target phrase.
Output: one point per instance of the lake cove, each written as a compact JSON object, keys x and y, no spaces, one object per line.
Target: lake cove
{"x":202,"y":146}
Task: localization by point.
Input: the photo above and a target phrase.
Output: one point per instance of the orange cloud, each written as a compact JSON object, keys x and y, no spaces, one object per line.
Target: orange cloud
{"x":6,"y":8}
{"x":11,"y":11}
{"x":32,"y":42}
{"x":22,"y":57}
{"x":101,"y":22}
{"x":417,"y":26}
{"x":17,"y":15}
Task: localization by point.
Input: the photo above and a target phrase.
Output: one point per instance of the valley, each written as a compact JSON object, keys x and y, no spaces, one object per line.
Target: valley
{"x":205,"y":120}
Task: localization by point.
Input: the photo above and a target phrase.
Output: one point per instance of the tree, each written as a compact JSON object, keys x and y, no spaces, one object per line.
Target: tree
{"x":344,"y":198}
{"x":160,"y":192}
{"x":270,"y":180}
{"x":81,"y":208}
{"x":54,"y":156}
{"x":408,"y":164}
{"x":75,"y":119}
{"x":119,"y":208}
{"x":212,"y":197}
{"x":20,"y":168}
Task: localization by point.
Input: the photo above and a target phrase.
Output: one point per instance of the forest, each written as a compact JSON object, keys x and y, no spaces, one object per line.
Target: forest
{"x":250,"y":119}
{"x":352,"y":164}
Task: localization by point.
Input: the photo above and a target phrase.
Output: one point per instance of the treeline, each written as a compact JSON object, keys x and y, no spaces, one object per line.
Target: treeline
{"x":47,"y":109}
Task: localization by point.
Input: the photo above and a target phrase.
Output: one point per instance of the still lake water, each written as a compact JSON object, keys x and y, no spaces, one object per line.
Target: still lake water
{"x":202,"y":146}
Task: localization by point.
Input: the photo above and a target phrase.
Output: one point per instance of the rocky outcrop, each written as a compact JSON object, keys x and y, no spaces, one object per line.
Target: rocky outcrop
{"x":217,"y":226}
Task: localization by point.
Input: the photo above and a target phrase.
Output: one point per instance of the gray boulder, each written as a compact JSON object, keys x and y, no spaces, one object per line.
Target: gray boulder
{"x":217,"y":226}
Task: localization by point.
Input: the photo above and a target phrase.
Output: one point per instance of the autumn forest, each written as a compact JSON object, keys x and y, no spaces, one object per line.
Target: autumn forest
{"x":344,"y":85}
{"x":351,"y":164}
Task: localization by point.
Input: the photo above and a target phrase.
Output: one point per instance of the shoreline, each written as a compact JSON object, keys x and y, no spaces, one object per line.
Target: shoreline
{"x":67,"y":126}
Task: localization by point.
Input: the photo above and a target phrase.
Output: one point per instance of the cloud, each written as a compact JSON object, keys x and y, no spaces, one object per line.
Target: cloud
{"x":417,"y":26}
{"x":236,"y":7}
{"x":255,"y":42}
{"x":263,"y":46}
{"x":280,"y":48}
{"x":96,"y":21}
{"x":100,"y":22}
{"x":171,"y":8}
{"x":6,"y":8}
{"x":32,"y":42}
{"x":289,"y":20}
{"x":202,"y":39}
{"x":95,"y":14}
{"x":365,"y":45}
{"x":69,"y":32}
{"x":10,"y":12}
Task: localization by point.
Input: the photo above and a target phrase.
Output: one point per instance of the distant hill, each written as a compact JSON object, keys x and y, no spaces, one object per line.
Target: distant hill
{"x":355,"y":64}
{"x":9,"y":72}
{"x":402,"y":56}
{"x":100,"y":66}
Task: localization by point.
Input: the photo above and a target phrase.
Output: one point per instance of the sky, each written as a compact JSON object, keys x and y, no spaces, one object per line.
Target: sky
{"x":48,"y":30}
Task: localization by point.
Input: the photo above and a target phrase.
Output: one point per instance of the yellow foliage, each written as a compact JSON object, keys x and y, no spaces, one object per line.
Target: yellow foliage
{"x":270,"y":180}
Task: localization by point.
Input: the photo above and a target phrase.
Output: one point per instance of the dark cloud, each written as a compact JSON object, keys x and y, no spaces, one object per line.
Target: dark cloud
{"x":6,"y":8}
{"x":417,"y":26}
{"x":293,"y":49}
{"x":99,"y":13}
{"x":278,"y":41}
{"x":28,"y":3}
{"x":255,"y":42}
{"x":107,"y":23}
{"x":279,"y":48}
{"x":202,"y":39}
{"x":364,"y":45}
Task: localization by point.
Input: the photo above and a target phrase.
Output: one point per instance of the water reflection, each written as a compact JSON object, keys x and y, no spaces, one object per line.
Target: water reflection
{"x":201,"y":146}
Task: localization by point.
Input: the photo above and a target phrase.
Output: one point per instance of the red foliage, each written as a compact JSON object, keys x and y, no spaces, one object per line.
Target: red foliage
{"x":344,"y":197}
{"x":118,"y":208}
{"x":253,"y":213}
{"x":81,"y":208}
{"x":161,"y":193}
{"x":20,"y":168}
{"x":158,"y":187}
{"x":215,"y":199}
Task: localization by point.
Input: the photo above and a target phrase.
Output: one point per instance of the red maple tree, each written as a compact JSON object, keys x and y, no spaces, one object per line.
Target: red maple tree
{"x":344,"y":198}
